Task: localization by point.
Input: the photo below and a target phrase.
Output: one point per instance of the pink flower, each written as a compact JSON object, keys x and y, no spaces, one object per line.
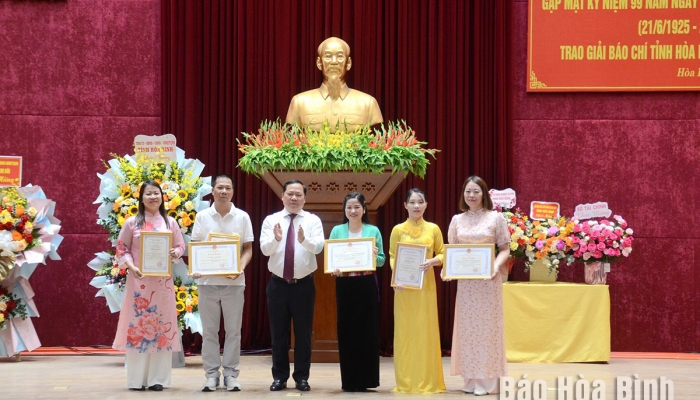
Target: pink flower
{"x":553,"y":230}
{"x":163,"y":341}
{"x":629,"y":231}
{"x":575,"y":247}
{"x":134,"y":335}
{"x":577,"y":228}
{"x":613,"y":236}
{"x":575,"y":239}
{"x":585,"y":228}
{"x":121,"y":249}
{"x":539,"y":244}
{"x":617,"y":252}
{"x":142,"y":303}
{"x":627,"y":242}
{"x":601,"y":246}
{"x":619,"y":231}
{"x":605,"y":222}
{"x":595,"y":234}
{"x":591,"y":247}
{"x":586,"y":256}
{"x":598,"y":254}
{"x":577,"y":254}
{"x":149,"y":325}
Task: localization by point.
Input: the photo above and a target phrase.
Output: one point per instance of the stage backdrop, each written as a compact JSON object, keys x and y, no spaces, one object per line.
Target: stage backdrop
{"x":438,"y":65}
{"x":79,"y":79}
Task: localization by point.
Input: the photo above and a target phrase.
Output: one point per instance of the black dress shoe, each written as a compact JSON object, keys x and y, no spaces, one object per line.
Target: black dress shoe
{"x":156,"y":388}
{"x":303,"y":385}
{"x":277,"y":385}
{"x":142,"y":388}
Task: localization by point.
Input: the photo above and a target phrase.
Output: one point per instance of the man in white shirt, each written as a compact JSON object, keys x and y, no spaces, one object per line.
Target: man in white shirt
{"x":220,"y":295}
{"x":291,"y":238}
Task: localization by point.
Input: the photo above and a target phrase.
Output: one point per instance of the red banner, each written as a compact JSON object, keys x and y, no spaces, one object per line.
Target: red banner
{"x":10,"y":171}
{"x":613,"y":45}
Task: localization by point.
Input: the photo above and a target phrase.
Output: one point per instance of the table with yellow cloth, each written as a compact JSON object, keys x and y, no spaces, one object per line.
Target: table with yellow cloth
{"x":556,"y":322}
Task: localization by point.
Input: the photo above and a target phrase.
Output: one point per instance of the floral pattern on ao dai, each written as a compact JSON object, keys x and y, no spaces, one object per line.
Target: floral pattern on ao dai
{"x":478,"y":342}
{"x":148,"y":319}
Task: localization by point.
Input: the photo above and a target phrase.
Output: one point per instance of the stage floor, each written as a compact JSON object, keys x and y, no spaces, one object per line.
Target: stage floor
{"x":104,"y":377}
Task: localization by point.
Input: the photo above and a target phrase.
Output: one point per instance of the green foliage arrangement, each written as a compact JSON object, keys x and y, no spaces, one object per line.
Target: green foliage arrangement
{"x":284,"y":147}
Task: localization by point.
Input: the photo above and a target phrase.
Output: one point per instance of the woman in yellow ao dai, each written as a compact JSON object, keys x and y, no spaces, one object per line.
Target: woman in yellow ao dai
{"x":417,"y":354}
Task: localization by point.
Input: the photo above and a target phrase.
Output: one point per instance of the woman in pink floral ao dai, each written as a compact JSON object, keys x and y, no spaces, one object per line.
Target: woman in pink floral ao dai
{"x":147,"y":328}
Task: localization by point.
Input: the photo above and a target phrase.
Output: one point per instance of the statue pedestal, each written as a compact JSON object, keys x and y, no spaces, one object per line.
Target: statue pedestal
{"x":324,"y":197}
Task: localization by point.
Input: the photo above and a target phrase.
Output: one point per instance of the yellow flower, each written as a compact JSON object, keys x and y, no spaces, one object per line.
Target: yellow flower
{"x":115,"y":271}
{"x":2,"y":317}
{"x":120,"y":220}
{"x":172,"y":213}
{"x":513,"y":246}
{"x":189,"y":206}
{"x":32,"y":212}
{"x":180,"y":306}
{"x":133,"y":210}
{"x":182,"y":194}
{"x":181,"y":295}
{"x":188,"y":302}
{"x":192,"y":216}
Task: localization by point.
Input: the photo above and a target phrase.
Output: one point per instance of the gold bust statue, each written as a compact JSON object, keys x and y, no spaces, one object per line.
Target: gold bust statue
{"x":334,"y":101}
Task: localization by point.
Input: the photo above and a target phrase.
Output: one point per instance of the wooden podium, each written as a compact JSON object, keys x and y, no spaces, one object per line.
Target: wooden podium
{"x":324,"y":197}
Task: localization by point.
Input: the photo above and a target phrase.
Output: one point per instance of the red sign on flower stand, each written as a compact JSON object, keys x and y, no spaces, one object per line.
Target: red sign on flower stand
{"x":10,"y":171}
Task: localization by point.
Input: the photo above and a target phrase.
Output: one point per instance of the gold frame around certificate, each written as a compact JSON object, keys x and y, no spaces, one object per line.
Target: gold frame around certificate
{"x":396,"y":264}
{"x":193,"y":257}
{"x":451,"y":248}
{"x":222,"y":237}
{"x":331,"y":242}
{"x":144,"y":235}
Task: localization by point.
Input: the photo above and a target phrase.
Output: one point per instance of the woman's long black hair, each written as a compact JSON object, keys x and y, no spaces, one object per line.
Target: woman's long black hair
{"x":141,"y":216}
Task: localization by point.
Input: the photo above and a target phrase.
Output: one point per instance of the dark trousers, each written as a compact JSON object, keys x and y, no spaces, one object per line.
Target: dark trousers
{"x":287,"y":302}
{"x":358,"y":331}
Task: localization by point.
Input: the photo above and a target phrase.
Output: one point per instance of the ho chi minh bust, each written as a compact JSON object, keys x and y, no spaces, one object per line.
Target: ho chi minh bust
{"x":334,"y":101}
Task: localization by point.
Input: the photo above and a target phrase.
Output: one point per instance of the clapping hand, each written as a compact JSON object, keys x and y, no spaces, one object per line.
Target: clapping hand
{"x":300,"y":235}
{"x":277,"y":230}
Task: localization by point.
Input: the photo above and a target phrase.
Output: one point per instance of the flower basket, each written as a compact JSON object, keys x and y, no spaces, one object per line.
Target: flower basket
{"x":284,"y":147}
{"x":597,"y":243}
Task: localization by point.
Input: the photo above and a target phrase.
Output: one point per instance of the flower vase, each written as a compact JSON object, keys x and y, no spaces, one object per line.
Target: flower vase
{"x":595,"y":272}
{"x":539,"y":272}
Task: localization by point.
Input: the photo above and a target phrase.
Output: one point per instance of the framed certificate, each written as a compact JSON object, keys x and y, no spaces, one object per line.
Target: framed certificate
{"x":468,"y":261}
{"x":349,"y":255}
{"x":407,"y":271}
{"x":155,"y":253}
{"x":222,"y":237}
{"x":215,"y":257}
